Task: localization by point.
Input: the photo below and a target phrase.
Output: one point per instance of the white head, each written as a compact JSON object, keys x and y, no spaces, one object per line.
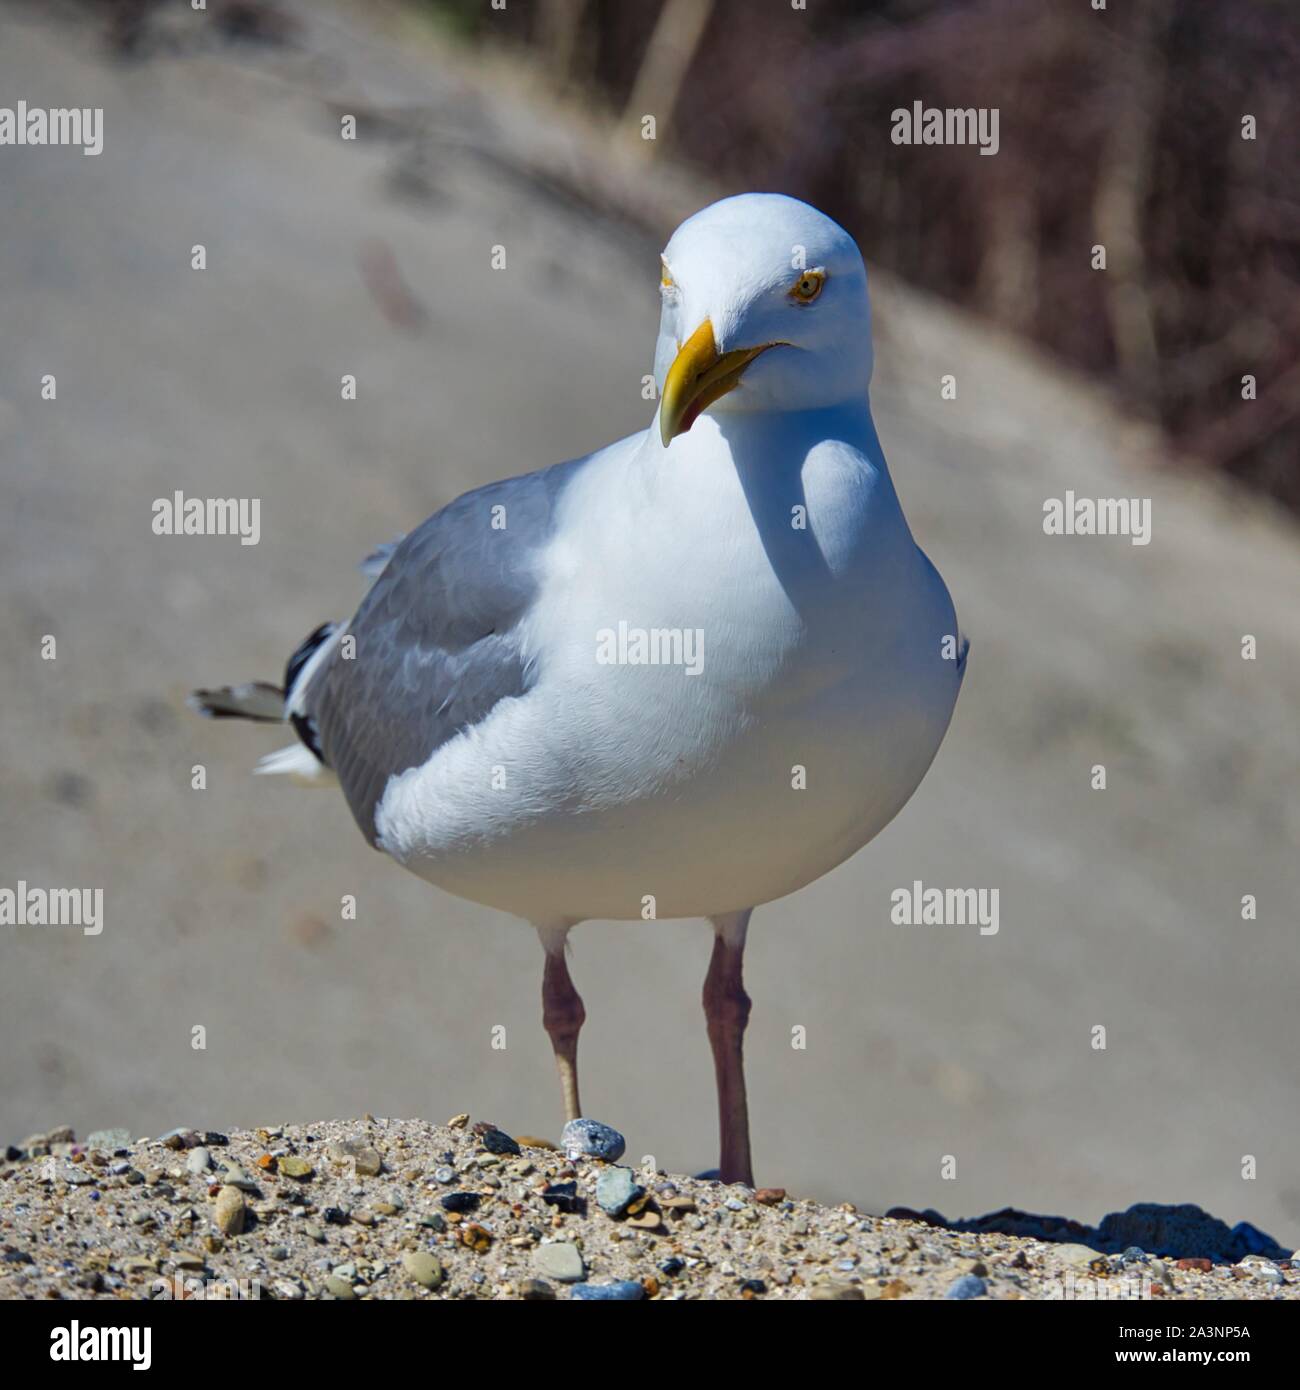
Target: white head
{"x":765,"y":288}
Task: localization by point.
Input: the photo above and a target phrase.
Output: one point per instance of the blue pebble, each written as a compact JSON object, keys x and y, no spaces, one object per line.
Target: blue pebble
{"x":968,"y":1286}
{"x":621,"y":1291}
{"x":591,"y":1139}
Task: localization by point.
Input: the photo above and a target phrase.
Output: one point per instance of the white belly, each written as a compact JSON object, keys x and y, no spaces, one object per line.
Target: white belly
{"x":626,"y":790}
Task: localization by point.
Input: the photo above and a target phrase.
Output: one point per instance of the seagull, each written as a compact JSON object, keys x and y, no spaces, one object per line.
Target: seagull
{"x":680,"y":677}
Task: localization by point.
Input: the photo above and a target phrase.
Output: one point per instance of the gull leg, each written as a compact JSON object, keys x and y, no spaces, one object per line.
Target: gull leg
{"x":726,"y":1009}
{"x":562,"y":1014}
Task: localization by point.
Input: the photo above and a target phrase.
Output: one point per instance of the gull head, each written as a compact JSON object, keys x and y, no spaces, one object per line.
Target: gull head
{"x":764,"y":308}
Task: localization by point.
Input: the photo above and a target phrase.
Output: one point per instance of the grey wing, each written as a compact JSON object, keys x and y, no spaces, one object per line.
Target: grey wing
{"x":435,"y":641}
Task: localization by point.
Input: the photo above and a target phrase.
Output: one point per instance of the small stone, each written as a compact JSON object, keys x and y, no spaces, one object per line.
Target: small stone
{"x":832,"y":1292}
{"x":591,"y":1139}
{"x":199,"y":1160}
{"x":646,"y":1221}
{"x":769,"y":1196}
{"x":616,"y":1190}
{"x":1203,"y":1265}
{"x":109,"y":1139}
{"x":496,"y":1141}
{"x":564,"y":1197}
{"x":296,"y":1168}
{"x":559,"y":1260}
{"x":458,"y":1121}
{"x":187,"y":1259}
{"x":365,"y":1161}
{"x":536,"y":1290}
{"x":423,"y":1268}
{"x":620,"y":1291}
{"x":460,"y":1201}
{"x":475,"y":1237}
{"x":340,"y":1288}
{"x":235,"y":1176}
{"x":968,"y":1286}
{"x":531,"y":1141}
{"x":230,"y":1212}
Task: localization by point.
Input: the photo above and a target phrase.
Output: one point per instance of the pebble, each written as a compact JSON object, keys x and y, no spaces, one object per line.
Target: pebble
{"x":230,"y":1212}
{"x":199,"y":1160}
{"x":357,"y":1153}
{"x":235,"y":1176}
{"x":423,"y":1268}
{"x":293,"y":1167}
{"x":559,"y":1260}
{"x":460,"y":1201}
{"x":496,"y":1141}
{"x":536,"y":1290}
{"x":968,"y":1286}
{"x":591,"y":1139}
{"x":620,"y":1291}
{"x":109,"y":1139}
{"x":832,"y":1292}
{"x":616,"y":1190}
{"x":563,"y":1196}
{"x":340,"y":1288}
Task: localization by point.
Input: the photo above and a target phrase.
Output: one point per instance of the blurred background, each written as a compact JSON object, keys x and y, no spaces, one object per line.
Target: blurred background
{"x":522,"y":127}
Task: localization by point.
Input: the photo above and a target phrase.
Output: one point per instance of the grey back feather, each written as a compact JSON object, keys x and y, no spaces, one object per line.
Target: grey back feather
{"x":436,"y":639}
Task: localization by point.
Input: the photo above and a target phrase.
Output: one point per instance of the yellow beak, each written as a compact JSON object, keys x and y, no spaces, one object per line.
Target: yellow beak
{"x":697,"y":378}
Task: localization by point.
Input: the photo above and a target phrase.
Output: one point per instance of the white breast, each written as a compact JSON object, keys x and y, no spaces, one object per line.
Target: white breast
{"x":820,"y":696}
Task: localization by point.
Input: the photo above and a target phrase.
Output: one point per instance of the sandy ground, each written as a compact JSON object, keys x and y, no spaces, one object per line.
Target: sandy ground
{"x":384,"y":1209}
{"x":943,"y":1068}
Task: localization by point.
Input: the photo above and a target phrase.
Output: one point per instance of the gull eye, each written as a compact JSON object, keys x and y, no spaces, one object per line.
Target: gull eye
{"x":808,"y":286}
{"x":666,"y":281}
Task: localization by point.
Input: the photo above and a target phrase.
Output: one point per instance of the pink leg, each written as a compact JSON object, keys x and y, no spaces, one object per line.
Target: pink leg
{"x":562,"y":1016}
{"x":726,"y":1009}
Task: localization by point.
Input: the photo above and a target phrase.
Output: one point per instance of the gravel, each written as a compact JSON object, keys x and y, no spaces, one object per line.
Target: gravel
{"x":361,"y":1210}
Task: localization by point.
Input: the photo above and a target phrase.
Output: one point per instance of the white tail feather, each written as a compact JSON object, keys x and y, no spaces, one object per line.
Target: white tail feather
{"x":296,"y":761}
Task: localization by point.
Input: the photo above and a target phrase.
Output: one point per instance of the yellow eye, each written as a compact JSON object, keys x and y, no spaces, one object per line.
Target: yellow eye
{"x":808,"y":286}
{"x":665,"y":277}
